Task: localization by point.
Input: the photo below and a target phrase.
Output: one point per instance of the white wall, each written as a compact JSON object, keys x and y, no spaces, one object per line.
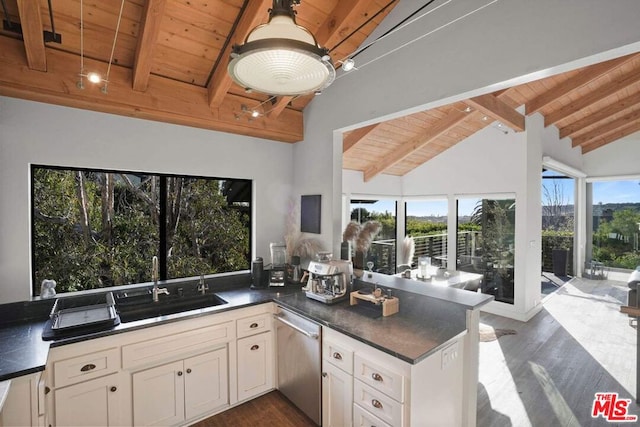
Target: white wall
{"x":380,"y":185}
{"x":38,"y":133}
{"x":617,"y":159}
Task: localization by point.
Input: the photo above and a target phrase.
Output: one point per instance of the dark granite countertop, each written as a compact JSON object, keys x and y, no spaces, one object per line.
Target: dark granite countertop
{"x":421,"y":327}
{"x":428,"y":318}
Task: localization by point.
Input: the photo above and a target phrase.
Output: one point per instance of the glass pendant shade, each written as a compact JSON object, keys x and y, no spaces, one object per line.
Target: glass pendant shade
{"x":281,"y":58}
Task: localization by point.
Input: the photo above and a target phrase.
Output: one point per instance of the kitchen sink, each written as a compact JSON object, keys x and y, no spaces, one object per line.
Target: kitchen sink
{"x":138,"y":304}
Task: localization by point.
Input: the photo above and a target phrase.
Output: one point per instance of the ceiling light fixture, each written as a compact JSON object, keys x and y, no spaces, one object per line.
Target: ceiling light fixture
{"x":281,"y":57}
{"x":348,"y":64}
{"x":93,"y":76}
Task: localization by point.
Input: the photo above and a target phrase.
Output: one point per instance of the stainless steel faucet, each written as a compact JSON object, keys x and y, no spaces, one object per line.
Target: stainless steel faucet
{"x":154,"y":273}
{"x":202,"y":286}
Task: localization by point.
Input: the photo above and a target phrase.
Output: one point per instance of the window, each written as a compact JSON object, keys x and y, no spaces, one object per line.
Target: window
{"x":383,"y":248}
{"x":486,"y":243}
{"x":615,"y":231}
{"x":427,"y":223}
{"x":96,"y":228}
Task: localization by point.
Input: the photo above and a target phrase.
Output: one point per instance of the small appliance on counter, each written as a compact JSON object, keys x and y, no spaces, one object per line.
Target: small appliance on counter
{"x":278,"y":272}
{"x":258,"y":276}
{"x":329,"y":281}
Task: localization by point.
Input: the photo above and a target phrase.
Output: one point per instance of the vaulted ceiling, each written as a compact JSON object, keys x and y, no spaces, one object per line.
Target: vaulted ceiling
{"x":170,"y":57}
{"x":593,"y":106}
{"x":169,"y":63}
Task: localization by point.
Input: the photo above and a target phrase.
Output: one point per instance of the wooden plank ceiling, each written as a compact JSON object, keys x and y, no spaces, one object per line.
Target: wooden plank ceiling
{"x":169,"y":64}
{"x":170,"y":59}
{"x":594,"y":106}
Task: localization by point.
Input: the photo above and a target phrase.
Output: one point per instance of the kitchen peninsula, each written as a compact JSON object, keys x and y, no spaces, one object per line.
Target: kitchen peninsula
{"x":432,"y":339}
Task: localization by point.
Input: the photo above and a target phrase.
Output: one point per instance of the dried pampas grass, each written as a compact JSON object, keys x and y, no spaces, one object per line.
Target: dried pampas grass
{"x":296,"y":243}
{"x":308,"y":248}
{"x":370,"y":229}
{"x":351,"y":232}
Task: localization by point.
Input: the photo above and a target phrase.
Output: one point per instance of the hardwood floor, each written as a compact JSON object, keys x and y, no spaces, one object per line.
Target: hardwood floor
{"x":269,"y":410}
{"x":548,"y":373}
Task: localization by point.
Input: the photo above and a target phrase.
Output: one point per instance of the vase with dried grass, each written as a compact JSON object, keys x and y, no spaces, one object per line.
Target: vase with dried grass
{"x":360,"y":237}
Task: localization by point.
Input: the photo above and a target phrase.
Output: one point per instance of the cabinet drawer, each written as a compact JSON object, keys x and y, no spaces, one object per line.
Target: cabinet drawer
{"x":86,"y":367}
{"x":176,"y":345}
{"x":362,"y":418}
{"x":377,"y":403}
{"x":253,"y":325}
{"x":338,"y":355}
{"x":378,"y":377}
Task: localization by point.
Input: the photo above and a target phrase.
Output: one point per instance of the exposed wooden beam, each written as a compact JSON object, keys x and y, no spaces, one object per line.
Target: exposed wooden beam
{"x":491,"y":106}
{"x":279,"y":106}
{"x":31,"y":22}
{"x":165,"y":100}
{"x":581,"y":79}
{"x":219,"y":84}
{"x":614,"y":136}
{"x":356,"y":136}
{"x":431,"y":134}
{"x":608,"y":89}
{"x":147,"y":39}
{"x":606,"y":128}
{"x":600,"y":115}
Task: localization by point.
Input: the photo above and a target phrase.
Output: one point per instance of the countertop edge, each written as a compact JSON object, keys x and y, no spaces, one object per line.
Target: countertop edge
{"x":458,"y":297}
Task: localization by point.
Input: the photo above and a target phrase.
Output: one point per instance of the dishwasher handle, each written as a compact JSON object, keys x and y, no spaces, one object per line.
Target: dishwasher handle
{"x":311,"y":335}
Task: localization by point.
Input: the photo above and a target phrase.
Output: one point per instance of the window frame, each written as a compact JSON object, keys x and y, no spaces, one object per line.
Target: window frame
{"x":162,"y":200}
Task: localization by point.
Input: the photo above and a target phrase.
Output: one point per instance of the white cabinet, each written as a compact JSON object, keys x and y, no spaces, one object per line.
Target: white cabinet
{"x":171,"y":374}
{"x":374,"y":388}
{"x":337,"y":391}
{"x":24,"y":404}
{"x":90,"y":403}
{"x":206,"y":385}
{"x":174,"y":392}
{"x":158,"y":395}
{"x":256,"y":358}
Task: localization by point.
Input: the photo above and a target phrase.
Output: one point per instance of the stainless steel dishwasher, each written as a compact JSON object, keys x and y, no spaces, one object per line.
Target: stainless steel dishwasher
{"x":299,"y":362}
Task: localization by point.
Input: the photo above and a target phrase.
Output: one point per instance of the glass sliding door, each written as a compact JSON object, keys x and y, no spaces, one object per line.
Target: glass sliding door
{"x":486,"y":243}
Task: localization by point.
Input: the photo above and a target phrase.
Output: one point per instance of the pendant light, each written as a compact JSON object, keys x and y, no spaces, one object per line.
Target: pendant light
{"x":281,"y":57}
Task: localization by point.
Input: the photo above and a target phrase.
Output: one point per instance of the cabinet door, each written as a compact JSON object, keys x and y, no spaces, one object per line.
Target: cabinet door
{"x":21,"y":405}
{"x":206,"y":382}
{"x":337,"y":396}
{"x":158,"y":395}
{"x":90,"y":403}
{"x":255,"y":365}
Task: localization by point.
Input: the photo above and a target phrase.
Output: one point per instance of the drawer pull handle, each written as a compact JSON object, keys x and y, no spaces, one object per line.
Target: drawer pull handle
{"x":253,"y":325}
{"x":188,"y":370}
{"x":324,"y":375}
{"x":376,"y":403}
{"x":88,"y":367}
{"x":376,"y":376}
{"x":255,"y":347}
{"x":337,"y":356}
{"x":113,"y":388}
{"x":179,"y":373}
